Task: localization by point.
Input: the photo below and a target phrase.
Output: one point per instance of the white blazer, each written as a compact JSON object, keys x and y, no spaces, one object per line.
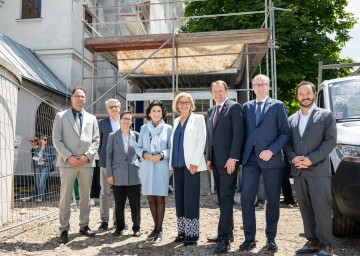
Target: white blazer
{"x":194,"y":141}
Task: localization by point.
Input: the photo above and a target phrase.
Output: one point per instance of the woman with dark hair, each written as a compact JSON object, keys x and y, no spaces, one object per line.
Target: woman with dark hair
{"x":154,"y":150}
{"x":122,"y":171}
{"x":43,"y":156}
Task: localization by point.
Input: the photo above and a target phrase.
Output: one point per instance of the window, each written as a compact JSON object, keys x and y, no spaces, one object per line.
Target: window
{"x":31,"y":9}
{"x":89,"y":20}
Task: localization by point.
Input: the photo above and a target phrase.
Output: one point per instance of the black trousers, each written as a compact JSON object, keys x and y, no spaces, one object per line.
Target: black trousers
{"x":285,"y":184}
{"x":120,"y":195}
{"x":187,"y":201}
{"x":225,"y":189}
{"x":95,"y":185}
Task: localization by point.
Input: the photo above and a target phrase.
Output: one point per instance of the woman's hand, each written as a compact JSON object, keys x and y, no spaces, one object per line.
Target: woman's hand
{"x":156,"y":158}
{"x":111,"y":180}
{"x":193,"y":169}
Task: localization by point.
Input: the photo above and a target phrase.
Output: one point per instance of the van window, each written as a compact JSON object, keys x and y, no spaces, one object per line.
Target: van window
{"x":344,"y":99}
{"x":320,"y":100}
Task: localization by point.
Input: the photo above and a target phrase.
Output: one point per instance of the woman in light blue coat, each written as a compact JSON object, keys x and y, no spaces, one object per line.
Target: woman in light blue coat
{"x":154,"y":150}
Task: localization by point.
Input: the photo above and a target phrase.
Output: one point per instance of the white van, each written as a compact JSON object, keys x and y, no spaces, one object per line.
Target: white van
{"x":342,"y":97}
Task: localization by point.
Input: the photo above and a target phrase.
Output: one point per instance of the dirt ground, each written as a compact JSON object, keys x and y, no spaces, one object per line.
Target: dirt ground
{"x":41,"y":237}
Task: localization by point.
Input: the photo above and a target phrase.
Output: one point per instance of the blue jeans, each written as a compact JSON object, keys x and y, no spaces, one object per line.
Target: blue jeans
{"x":42,"y":174}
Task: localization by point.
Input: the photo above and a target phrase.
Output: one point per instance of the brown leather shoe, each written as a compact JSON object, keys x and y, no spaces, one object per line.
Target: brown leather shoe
{"x":308,"y":248}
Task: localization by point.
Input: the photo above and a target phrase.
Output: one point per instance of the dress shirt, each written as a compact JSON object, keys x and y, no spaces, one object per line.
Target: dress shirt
{"x":81,"y":114}
{"x":115,"y":124}
{"x":304,"y":120}
{"x":262,"y":103}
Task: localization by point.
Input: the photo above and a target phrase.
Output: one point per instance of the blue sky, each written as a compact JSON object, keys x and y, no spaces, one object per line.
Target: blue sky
{"x":352,"y":48}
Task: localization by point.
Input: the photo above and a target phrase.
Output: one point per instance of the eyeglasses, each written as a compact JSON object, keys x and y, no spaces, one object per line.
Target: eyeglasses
{"x":126,"y":119}
{"x":260,"y":85}
{"x":79,"y":96}
{"x":45,"y":139}
{"x":111,"y":107}
{"x":184,"y":103}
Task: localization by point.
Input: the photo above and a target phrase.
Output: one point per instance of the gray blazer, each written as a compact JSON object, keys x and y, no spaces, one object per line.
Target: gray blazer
{"x":123,"y":166}
{"x":68,"y":141}
{"x":104,"y":129}
{"x":317,"y":142}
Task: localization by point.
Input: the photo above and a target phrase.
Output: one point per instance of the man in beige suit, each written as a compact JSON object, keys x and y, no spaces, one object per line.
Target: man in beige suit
{"x":76,"y":139}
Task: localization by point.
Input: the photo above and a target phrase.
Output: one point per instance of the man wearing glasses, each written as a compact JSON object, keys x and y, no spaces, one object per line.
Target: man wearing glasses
{"x":106,"y":126}
{"x":267,"y":131}
{"x":76,"y":139}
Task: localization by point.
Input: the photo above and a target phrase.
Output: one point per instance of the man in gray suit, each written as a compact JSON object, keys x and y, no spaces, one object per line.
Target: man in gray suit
{"x":225,"y":135}
{"x":106,"y":126}
{"x":267,"y":132}
{"x":76,"y":140}
{"x":313,"y":137}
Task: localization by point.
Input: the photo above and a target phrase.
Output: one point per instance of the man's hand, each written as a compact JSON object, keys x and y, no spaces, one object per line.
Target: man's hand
{"x":111,"y":180}
{"x":266,"y":155}
{"x":83,"y":159}
{"x":299,"y":163}
{"x":208,"y":165}
{"x":193,"y":169}
{"x":230,"y":165}
{"x":74,"y":162}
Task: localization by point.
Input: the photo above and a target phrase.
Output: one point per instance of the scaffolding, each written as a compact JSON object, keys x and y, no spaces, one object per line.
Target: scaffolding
{"x":128,"y":34}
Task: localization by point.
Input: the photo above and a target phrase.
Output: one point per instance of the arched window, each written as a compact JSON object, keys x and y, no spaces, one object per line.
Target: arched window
{"x":45,"y":116}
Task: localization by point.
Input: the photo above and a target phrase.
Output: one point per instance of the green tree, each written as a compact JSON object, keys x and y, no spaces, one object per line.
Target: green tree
{"x":302,"y":35}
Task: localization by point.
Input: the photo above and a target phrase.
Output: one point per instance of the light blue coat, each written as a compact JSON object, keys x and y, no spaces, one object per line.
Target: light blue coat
{"x":154,"y":177}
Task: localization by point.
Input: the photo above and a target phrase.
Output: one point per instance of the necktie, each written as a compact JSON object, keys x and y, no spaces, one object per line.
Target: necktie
{"x":258,"y":112}
{"x":77,"y":121}
{"x":216,"y":114}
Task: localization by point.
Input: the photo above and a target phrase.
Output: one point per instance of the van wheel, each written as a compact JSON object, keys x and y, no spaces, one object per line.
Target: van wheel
{"x":341,"y":226}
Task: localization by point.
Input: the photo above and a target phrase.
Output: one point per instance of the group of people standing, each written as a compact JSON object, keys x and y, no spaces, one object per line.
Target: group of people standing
{"x":254,"y":135}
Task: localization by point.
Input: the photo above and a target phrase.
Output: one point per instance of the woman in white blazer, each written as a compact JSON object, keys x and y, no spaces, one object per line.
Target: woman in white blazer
{"x":187,"y":159}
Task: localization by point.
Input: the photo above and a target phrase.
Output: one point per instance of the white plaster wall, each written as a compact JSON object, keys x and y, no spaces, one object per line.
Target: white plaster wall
{"x":8,"y":101}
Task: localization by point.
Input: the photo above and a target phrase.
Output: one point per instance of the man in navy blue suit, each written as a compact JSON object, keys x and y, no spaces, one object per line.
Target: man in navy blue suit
{"x":267,"y":131}
{"x":106,"y":126}
{"x":225,"y":135}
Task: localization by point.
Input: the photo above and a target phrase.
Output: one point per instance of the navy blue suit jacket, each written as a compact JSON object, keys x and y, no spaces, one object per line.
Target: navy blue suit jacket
{"x":104,"y":129}
{"x":271,"y":133}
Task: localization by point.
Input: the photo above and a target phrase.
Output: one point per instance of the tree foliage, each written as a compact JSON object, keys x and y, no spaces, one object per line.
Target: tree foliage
{"x":314,"y":30}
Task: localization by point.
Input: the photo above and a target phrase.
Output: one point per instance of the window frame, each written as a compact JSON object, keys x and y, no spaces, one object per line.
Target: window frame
{"x":31,"y":9}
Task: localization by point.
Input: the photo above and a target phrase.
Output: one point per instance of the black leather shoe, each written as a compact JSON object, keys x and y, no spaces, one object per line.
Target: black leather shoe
{"x":271,"y":245}
{"x":215,"y":239}
{"x":86,"y":231}
{"x":64,"y":238}
{"x":179,"y":239}
{"x":247,"y":245}
{"x":103,"y":226}
{"x":117,"y":232}
{"x":222,"y":247}
{"x":137,"y":234}
{"x":190,"y":243}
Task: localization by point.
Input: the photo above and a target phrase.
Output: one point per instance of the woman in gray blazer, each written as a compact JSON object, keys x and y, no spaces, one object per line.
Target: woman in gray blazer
{"x":122,"y":170}
{"x":187,"y":159}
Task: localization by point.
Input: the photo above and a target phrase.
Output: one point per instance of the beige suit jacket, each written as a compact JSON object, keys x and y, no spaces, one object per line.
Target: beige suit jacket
{"x":68,"y":141}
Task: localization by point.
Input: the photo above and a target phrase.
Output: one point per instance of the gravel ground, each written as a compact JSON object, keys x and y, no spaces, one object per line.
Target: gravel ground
{"x":41,"y":237}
